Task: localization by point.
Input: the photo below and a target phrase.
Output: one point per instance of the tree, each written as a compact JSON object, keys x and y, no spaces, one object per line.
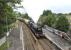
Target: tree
{"x":62,"y":23}
{"x":59,"y":14}
{"x":69,"y":13}
{"x":58,"y":21}
{"x":42,"y":21}
{"x":50,"y":20}
{"x":46,"y":12}
{"x":47,"y":18}
{"x":7,"y":16}
{"x":11,"y":1}
{"x":25,"y":16}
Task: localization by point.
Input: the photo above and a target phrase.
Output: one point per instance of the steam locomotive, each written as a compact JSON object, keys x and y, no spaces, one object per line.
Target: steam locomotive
{"x":36,"y":29}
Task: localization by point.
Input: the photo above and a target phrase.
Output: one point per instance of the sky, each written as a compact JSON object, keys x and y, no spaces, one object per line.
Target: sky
{"x":35,"y":8}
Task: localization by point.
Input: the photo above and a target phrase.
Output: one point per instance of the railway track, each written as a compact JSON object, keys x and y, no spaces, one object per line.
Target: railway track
{"x":32,"y":43}
{"x":45,"y":44}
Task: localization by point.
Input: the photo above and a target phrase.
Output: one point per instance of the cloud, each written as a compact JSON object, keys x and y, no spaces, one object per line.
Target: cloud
{"x":35,"y":7}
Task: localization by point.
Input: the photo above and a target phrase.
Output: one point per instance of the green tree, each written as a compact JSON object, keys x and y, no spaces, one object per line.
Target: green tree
{"x":69,"y":13}
{"x":47,"y":18}
{"x":25,"y":16}
{"x":50,"y":20}
{"x":46,"y":12}
{"x":62,"y":23}
{"x":42,"y":21}
{"x":7,"y":15}
{"x":58,"y":21}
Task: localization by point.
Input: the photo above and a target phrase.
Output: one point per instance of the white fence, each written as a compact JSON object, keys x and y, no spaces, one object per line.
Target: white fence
{"x":2,"y":40}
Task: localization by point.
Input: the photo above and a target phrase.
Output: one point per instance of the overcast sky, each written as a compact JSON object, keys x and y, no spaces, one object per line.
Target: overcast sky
{"x":34,"y":8}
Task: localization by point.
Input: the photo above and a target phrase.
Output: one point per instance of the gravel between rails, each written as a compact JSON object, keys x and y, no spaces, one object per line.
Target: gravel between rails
{"x":47,"y":45}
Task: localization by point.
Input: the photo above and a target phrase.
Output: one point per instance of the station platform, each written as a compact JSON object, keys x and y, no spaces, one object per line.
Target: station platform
{"x":57,"y":40}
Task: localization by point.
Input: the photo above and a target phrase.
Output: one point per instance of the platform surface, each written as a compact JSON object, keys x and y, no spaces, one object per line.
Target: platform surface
{"x":58,"y":41}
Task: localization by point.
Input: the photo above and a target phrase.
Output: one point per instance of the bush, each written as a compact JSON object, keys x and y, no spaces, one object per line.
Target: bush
{"x":62,"y":23}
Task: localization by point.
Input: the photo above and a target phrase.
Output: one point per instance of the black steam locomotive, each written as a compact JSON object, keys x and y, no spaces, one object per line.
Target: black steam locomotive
{"x":37,"y":30}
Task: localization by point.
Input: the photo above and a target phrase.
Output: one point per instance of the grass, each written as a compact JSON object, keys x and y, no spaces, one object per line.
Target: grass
{"x":5,"y":46}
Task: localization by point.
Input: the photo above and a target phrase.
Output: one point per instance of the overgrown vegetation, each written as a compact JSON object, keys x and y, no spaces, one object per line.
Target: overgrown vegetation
{"x":4,"y":46}
{"x":62,"y":24}
{"x":58,"y":21}
{"x":25,"y":16}
{"x":7,"y":15}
